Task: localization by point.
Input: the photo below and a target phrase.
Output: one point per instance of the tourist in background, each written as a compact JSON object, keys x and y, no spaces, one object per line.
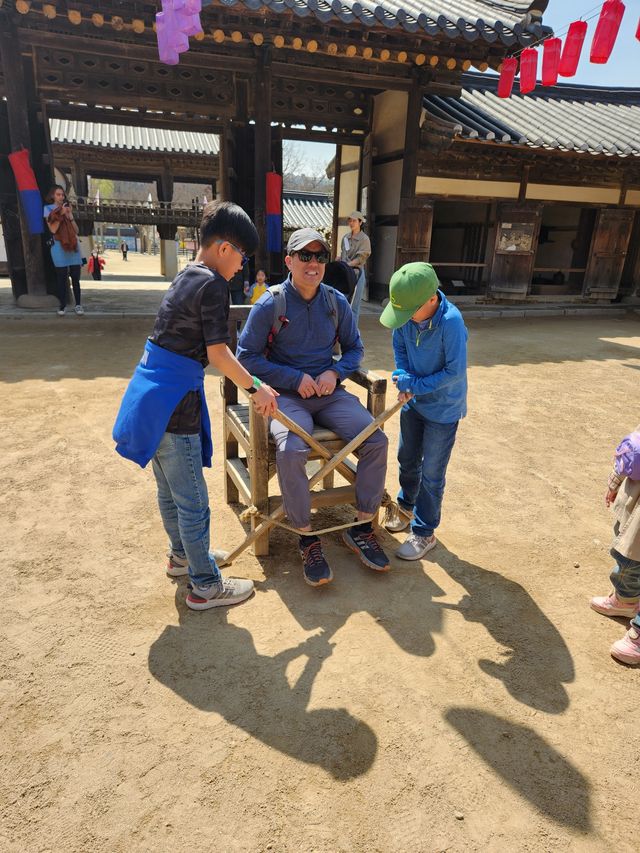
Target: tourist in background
{"x":354,"y":251}
{"x":65,"y":250}
{"x":96,"y":265}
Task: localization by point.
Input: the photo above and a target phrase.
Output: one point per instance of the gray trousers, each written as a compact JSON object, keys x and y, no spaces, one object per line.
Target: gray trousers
{"x":346,"y":416}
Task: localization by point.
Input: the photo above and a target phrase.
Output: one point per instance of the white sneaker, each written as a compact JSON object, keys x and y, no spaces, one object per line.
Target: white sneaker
{"x":397,"y":518}
{"x":178,"y":567}
{"x":415,"y":547}
{"x":227,"y":591}
{"x":60,"y":312}
{"x":79,"y":309}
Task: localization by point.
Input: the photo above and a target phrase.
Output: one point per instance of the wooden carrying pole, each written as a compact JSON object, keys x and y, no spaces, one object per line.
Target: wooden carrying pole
{"x":327,"y":468}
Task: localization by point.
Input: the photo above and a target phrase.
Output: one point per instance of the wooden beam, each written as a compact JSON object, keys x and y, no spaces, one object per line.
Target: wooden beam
{"x":348,"y":78}
{"x":125,"y":50}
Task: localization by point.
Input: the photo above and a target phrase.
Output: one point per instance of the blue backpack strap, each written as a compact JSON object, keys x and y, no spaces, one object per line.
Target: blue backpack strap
{"x":279,"y":315}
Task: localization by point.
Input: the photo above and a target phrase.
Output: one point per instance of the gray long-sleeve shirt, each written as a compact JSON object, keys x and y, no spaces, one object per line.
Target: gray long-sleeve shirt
{"x":355,"y":247}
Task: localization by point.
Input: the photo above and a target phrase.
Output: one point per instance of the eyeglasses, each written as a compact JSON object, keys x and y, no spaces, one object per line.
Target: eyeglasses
{"x":321,"y":257}
{"x":245,"y":258}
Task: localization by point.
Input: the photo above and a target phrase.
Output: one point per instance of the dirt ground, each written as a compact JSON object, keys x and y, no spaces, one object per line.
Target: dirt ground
{"x":466,"y":702}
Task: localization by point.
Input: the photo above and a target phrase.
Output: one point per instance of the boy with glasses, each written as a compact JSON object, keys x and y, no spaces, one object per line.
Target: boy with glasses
{"x":164,"y":417}
{"x":297,"y":361}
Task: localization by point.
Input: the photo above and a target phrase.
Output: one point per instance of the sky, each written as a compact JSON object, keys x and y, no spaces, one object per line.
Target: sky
{"x":622,"y":69}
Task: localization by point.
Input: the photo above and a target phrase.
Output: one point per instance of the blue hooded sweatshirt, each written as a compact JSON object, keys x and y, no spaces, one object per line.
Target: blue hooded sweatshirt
{"x":433,"y":354}
{"x":159,"y":382}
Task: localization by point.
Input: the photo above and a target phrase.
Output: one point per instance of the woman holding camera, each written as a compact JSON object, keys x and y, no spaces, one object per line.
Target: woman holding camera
{"x":65,"y":250}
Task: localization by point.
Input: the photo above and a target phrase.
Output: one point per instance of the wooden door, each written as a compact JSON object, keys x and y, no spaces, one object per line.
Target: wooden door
{"x":608,"y":252}
{"x":414,"y":233}
{"x":517,"y":231}
{"x":631,"y":272}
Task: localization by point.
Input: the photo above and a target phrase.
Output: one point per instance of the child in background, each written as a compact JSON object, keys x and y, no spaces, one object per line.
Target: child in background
{"x":430,"y":349}
{"x":258,"y":287}
{"x":623,"y":491}
{"x":163,"y":416}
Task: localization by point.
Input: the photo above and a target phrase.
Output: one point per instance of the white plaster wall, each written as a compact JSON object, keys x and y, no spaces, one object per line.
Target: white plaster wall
{"x":389,"y":122}
{"x":459,"y":186}
{"x":348,"y":193}
{"x":388,"y":180}
{"x":549,"y":192}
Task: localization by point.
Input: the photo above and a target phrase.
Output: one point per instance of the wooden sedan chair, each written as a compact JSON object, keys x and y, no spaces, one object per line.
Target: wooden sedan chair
{"x":249,"y":450}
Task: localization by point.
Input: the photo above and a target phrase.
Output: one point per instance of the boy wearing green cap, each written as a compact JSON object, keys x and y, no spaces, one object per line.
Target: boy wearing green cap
{"x":430,"y":349}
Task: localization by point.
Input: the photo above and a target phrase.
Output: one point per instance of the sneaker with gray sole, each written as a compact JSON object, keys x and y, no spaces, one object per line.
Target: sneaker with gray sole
{"x":178,"y":567}
{"x":398,"y":518}
{"x":415,"y":547}
{"x":222,"y":594}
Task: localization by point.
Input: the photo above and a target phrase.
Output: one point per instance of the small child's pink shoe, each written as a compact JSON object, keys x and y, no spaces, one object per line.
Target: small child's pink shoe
{"x":610,"y":605}
{"x":628,"y":648}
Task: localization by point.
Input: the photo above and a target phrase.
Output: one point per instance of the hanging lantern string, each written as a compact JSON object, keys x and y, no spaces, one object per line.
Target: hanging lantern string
{"x":589,"y":15}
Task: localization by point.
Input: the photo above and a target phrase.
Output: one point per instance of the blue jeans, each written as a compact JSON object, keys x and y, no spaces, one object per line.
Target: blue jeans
{"x":423,"y":453}
{"x":356,"y":299}
{"x":184,"y":504}
{"x":625,"y":578}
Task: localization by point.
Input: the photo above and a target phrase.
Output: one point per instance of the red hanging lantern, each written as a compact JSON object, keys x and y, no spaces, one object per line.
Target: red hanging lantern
{"x":572,"y":49}
{"x":638,"y":30}
{"x":606,"y":31}
{"x":550,"y":61}
{"x":528,"y":70}
{"x":507,"y":76}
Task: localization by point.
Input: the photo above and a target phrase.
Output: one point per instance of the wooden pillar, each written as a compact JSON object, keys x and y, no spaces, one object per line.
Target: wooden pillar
{"x":168,"y":251}
{"x":224,"y":163}
{"x":20,"y":137}
{"x":411,"y":244}
{"x":262,"y":152}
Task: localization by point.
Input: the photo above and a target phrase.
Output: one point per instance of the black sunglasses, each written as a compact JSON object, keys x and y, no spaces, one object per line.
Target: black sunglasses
{"x":321,"y":257}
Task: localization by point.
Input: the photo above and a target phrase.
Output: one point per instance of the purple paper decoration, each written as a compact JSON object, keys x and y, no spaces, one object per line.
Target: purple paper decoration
{"x":178,"y":20}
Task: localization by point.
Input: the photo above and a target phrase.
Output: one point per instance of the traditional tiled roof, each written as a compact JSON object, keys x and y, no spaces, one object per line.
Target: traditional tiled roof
{"x":307,"y":210}
{"x":586,"y":119}
{"x":126,"y":138}
{"x":469,"y":19}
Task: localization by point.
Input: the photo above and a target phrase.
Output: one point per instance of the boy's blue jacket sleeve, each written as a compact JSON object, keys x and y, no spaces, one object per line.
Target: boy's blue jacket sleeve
{"x":252,"y":344}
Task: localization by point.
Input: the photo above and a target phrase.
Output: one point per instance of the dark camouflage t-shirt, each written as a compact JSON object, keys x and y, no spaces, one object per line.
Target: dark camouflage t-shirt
{"x":192,"y":316}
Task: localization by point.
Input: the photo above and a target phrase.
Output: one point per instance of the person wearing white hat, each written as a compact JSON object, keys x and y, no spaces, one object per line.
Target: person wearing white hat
{"x":355,"y":249}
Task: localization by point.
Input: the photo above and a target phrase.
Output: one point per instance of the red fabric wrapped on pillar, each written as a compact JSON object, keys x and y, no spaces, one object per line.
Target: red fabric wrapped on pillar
{"x":528,"y":70}
{"x":507,"y":76}
{"x":550,"y":61}
{"x":606,"y":31}
{"x":274,"y":212}
{"x":572,"y":49}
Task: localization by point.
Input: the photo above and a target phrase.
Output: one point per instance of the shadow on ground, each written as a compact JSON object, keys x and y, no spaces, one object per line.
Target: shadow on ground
{"x":214,"y":666}
{"x":528,"y":764}
{"x":537,"y":663}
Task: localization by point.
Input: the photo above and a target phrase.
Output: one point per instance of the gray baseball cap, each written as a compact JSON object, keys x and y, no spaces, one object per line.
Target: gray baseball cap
{"x":302,"y":237}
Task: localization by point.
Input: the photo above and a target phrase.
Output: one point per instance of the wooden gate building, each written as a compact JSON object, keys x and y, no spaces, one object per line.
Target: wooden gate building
{"x":523,"y":198}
